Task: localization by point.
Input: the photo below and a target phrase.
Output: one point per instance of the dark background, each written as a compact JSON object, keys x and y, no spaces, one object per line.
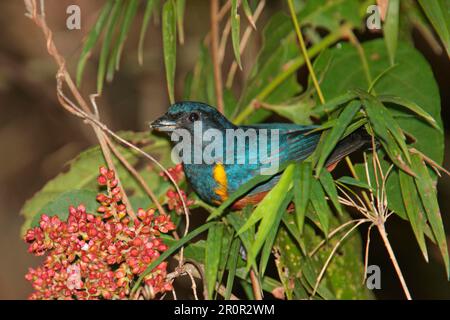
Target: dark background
{"x":37,"y":137}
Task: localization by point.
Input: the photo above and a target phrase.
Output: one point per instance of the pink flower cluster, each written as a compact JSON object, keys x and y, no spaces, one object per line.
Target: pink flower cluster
{"x":98,"y":256}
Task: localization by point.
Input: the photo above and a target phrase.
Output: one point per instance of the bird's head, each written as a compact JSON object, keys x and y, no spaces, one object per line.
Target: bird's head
{"x":183,"y":115}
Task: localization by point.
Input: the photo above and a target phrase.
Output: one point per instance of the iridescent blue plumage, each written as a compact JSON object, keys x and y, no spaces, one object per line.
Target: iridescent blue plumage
{"x":214,"y":181}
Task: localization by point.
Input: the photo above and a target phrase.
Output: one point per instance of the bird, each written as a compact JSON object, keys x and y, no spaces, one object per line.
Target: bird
{"x":215,"y":179}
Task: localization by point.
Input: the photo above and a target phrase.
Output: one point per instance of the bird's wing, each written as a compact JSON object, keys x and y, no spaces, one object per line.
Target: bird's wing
{"x":294,"y":144}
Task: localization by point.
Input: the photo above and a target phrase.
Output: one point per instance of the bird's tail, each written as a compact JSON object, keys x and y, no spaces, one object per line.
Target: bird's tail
{"x":359,"y":139}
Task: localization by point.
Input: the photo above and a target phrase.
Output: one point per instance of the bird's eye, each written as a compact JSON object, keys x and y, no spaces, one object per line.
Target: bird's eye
{"x":193,"y":117}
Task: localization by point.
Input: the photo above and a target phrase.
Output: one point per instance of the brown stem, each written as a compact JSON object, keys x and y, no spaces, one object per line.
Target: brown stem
{"x":215,"y":53}
{"x":387,"y":244}
{"x":257,"y":292}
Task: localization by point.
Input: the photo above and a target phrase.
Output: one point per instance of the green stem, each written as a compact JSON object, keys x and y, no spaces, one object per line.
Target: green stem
{"x":305,"y":54}
{"x":294,"y":65}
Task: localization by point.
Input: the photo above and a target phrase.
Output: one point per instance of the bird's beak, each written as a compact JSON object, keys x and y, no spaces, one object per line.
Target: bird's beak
{"x":163,"y":124}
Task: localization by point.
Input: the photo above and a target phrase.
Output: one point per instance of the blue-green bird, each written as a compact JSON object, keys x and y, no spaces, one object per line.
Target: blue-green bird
{"x":218,"y":172}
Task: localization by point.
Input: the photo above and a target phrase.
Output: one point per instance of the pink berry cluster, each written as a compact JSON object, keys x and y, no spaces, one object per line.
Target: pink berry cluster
{"x":174,"y":201}
{"x":173,"y":198}
{"x":98,"y":256}
{"x":175,"y":172}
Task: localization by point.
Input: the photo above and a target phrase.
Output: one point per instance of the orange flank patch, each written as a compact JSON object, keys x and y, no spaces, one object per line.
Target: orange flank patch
{"x":248,"y":200}
{"x":220,"y":176}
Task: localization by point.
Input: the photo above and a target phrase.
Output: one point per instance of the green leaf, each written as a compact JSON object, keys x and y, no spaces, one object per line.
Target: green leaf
{"x":326,"y":179}
{"x":269,"y":212}
{"x":145,"y":21}
{"x":391,"y":28}
{"x":232,"y":265}
{"x":237,"y":220}
{"x":271,"y":202}
{"x":191,"y":235}
{"x":212,"y":256}
{"x":169,"y":31}
{"x":267,"y":249}
{"x":248,"y":13}
{"x":413,"y":209}
{"x":320,"y":205}
{"x":60,"y":205}
{"x":334,"y":103}
{"x":180,"y":19}
{"x":302,"y":189}
{"x":235,"y":31}
{"x":353,"y":182}
{"x":298,"y":111}
{"x":428,"y":194}
{"x":92,"y":38}
{"x":330,"y":13}
{"x":335,"y":134}
{"x":130,"y":13}
{"x":412,"y":79}
{"x":383,"y":122}
{"x":412,"y":107}
{"x":105,"y":51}
{"x":437,"y":12}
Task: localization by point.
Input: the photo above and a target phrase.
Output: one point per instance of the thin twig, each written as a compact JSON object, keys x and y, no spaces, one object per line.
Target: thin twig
{"x":330,"y":235}
{"x":366,"y":253}
{"x":327,"y":262}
